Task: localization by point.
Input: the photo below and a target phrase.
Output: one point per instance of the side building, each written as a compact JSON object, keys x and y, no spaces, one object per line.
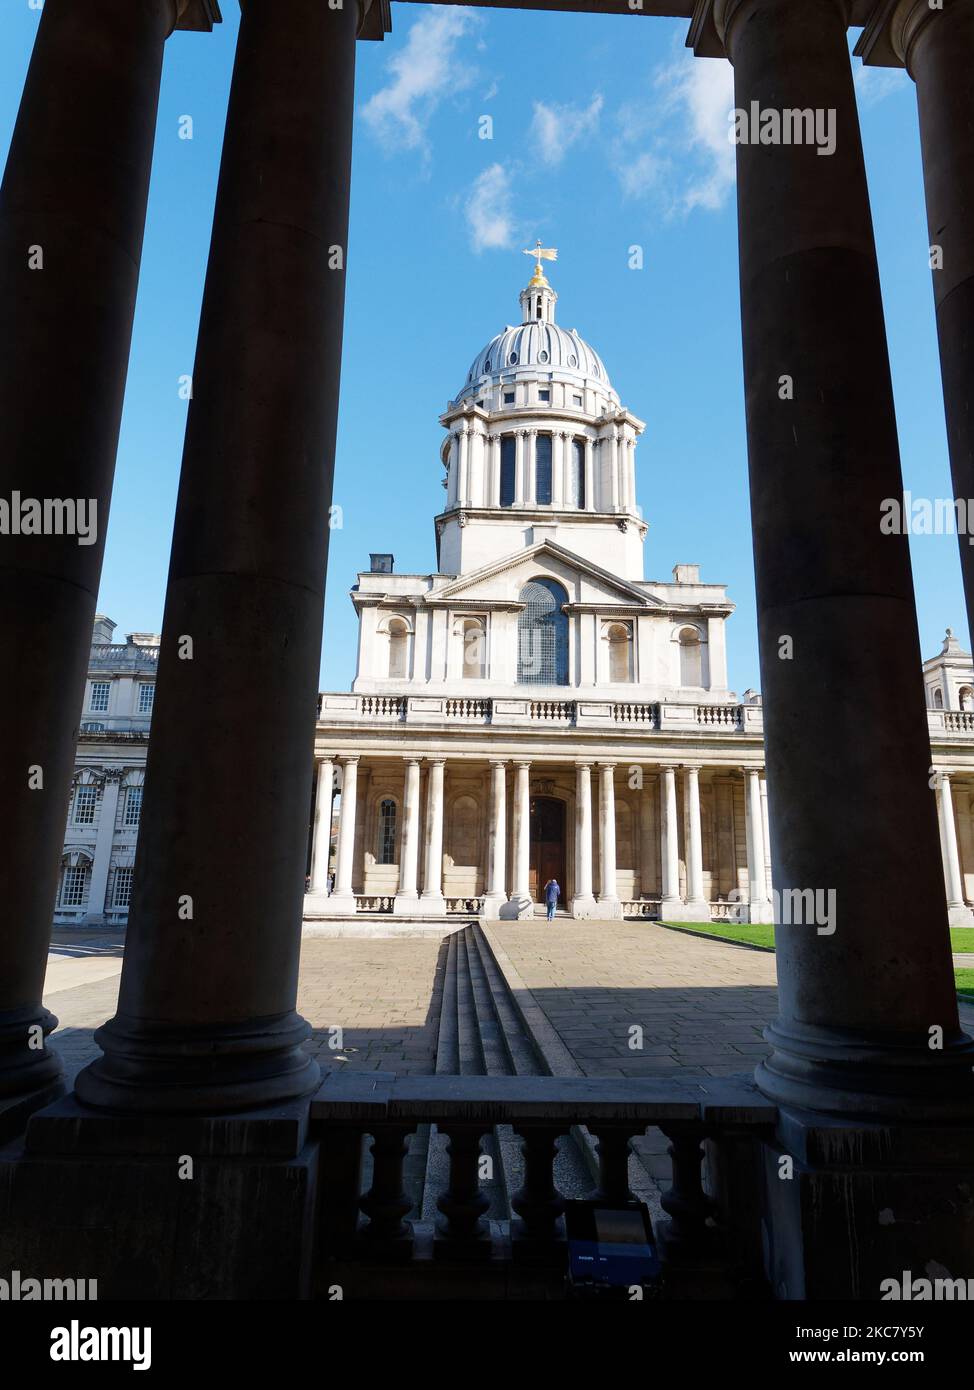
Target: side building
{"x":105,"y":806}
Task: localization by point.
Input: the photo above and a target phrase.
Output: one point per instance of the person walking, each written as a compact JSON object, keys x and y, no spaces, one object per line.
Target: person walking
{"x":552,"y":892}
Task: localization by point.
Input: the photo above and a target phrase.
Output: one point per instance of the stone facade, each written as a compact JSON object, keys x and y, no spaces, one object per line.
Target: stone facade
{"x":535,"y":708}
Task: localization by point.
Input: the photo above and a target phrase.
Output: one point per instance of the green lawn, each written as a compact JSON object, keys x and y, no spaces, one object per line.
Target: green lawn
{"x":961,"y":939}
{"x":965,"y":984}
{"x":762,"y":936}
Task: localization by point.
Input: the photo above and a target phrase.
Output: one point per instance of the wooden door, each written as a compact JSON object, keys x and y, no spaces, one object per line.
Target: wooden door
{"x":547,"y":845}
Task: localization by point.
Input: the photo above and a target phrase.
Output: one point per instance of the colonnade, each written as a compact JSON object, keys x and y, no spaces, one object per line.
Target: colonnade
{"x":511,"y":897}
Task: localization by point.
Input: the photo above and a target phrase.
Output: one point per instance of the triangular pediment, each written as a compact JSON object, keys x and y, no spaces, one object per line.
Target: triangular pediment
{"x":611,"y":584}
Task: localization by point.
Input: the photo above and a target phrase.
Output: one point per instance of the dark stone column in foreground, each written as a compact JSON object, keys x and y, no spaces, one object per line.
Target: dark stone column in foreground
{"x":937,"y":48}
{"x":869,"y":1170}
{"x":848,"y":751}
{"x":203,"y":1060}
{"x":206,"y":1019}
{"x":72,"y":214}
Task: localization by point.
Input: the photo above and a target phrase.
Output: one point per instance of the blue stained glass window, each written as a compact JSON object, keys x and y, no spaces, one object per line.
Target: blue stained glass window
{"x":542,"y":469}
{"x":507,"y":470}
{"x":542,"y":634}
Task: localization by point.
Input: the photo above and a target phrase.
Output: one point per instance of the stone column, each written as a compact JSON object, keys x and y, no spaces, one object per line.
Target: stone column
{"x":463,"y":493}
{"x":72,"y":214}
{"x":935,"y":44}
{"x":103,"y":844}
{"x":321,"y":835}
{"x":583,"y":903}
{"x":496,"y":895}
{"x":520,"y":903}
{"x":697,"y":906}
{"x":614,"y":488}
{"x":758,"y":906}
{"x":608,"y":905}
{"x":453,"y":474}
{"x":671,"y":904}
{"x":859,"y":995}
{"x":520,"y":486}
{"x":342,"y":898}
{"x":407,"y":898}
{"x":206,"y":1019}
{"x":959,"y":914}
{"x":433,"y":901}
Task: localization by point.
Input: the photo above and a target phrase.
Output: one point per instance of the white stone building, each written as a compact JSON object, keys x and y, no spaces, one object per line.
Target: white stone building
{"x":106,"y":792}
{"x":535,"y":708}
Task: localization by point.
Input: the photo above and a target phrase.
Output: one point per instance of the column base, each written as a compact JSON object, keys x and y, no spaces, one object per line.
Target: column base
{"x":859,"y":1076}
{"x":493,"y":902}
{"x":432,"y":905}
{"x":238,"y":1225}
{"x":906,"y":1189}
{"x":960,"y":916}
{"x":317,"y":904}
{"x":760,"y":913}
{"x":408,"y":905}
{"x":30,"y":1076}
{"x":609,"y":909}
{"x":585,"y":909}
{"x":152,"y":1069}
{"x":685,"y":912}
{"x":516,"y":907}
{"x":335,"y":904}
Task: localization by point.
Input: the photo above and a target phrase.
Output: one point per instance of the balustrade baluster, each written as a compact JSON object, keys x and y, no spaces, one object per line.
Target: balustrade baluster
{"x":538,"y":1203}
{"x":613,"y":1151}
{"x":386,"y":1202}
{"x":463,"y":1233}
{"x":685,"y":1202}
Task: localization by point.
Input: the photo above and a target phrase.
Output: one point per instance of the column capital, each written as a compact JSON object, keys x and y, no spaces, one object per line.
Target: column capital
{"x":713,"y":21}
{"x":498,"y":762}
{"x":519,"y":763}
{"x":348,"y":759}
{"x":891,"y":31}
{"x":585,"y":762}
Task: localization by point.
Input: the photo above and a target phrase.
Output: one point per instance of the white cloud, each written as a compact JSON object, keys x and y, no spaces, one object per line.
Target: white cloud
{"x":424,"y":71}
{"x":555,"y":128}
{"x":700,"y":94}
{"x":873,"y":85}
{"x":488,"y":210}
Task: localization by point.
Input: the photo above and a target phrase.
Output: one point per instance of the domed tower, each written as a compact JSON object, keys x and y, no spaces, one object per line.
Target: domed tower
{"x":539,"y":447}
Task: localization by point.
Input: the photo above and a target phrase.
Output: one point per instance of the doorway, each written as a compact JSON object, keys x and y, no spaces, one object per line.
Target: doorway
{"x":547,"y":859}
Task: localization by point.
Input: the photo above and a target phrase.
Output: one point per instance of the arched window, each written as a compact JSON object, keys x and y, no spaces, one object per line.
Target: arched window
{"x":619,"y":638}
{"x":576,"y":474}
{"x":398,"y":648}
{"x":542,"y":470}
{"x":474,"y":649}
{"x":542,"y":634}
{"x":938,"y":699}
{"x":691,"y":665}
{"x":966,"y":695}
{"x":387,"y":831}
{"x":507,"y":470}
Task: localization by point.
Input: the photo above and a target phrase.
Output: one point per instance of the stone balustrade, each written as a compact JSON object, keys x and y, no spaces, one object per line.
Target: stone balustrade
{"x":359,"y":1227}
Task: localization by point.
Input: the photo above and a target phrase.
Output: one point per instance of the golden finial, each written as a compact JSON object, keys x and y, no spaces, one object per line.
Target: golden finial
{"x":541,"y":253}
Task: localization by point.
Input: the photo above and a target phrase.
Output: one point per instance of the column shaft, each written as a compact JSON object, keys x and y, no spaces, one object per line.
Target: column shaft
{"x":321,"y":836}
{"x":669,"y":842}
{"x":695,"y":893}
{"x":609,"y":896}
{"x":433,"y":900}
{"x":959,"y":914}
{"x":847,"y":793}
{"x":206,"y":1017}
{"x":72,"y":215}
{"x":583,"y":904}
{"x":407,"y":895}
{"x":520,"y":903}
{"x":939,"y":45}
{"x":496,"y":894}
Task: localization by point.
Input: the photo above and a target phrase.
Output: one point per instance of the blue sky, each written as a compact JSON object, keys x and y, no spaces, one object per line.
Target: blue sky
{"x":606,"y":134}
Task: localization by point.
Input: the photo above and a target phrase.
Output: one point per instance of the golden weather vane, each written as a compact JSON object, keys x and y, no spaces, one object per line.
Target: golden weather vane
{"x":541,"y":253}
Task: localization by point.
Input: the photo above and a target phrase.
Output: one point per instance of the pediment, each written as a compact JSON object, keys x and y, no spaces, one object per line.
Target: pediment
{"x":518,"y":567}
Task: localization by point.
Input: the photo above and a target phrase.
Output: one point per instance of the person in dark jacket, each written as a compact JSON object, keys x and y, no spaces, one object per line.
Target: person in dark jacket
{"x":552,"y":892}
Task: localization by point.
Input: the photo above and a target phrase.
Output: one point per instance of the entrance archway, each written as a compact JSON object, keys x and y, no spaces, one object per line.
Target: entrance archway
{"x":547,"y":857}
